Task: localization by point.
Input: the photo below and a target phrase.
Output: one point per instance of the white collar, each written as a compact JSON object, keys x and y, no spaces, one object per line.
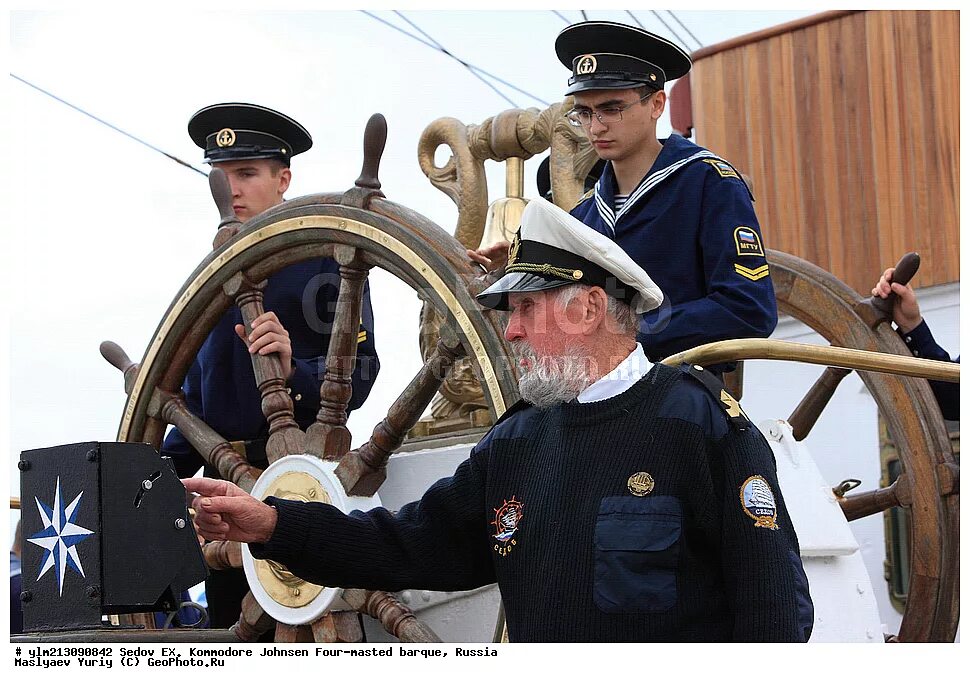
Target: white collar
{"x":621,"y":378}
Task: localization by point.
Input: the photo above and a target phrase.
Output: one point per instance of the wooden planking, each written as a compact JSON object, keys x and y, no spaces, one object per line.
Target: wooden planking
{"x":849,"y":128}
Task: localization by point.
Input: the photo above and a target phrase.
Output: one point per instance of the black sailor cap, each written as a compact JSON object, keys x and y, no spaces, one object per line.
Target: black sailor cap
{"x":605,"y":55}
{"x":233,"y":131}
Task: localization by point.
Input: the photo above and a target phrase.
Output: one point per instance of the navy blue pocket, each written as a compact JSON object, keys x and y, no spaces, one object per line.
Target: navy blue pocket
{"x":636,"y":554}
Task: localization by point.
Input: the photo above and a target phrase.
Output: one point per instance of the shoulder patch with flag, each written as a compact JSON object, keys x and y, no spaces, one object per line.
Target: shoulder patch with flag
{"x":747,"y":241}
{"x":724,"y":169}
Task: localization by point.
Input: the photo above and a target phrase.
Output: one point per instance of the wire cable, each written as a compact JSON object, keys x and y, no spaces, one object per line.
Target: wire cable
{"x":672,"y":31}
{"x":677,"y":19}
{"x":560,"y":15}
{"x":441,"y":48}
{"x":471,"y":67}
{"x":634,"y":17}
{"x":109,"y":125}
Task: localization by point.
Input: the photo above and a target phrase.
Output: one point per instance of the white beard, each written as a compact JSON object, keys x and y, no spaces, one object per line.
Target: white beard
{"x":553,"y":380}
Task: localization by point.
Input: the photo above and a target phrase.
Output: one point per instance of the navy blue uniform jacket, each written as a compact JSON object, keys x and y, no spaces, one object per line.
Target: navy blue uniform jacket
{"x":220,"y":386}
{"x":691,"y":225}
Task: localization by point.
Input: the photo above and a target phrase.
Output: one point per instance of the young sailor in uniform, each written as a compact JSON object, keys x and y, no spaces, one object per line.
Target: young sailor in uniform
{"x":680,"y":211}
{"x":254,"y":145}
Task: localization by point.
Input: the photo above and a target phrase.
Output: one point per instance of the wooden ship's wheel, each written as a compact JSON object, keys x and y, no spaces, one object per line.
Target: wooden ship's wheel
{"x":360,"y":230}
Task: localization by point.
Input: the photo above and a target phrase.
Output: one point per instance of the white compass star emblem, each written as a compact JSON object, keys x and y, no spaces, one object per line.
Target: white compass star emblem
{"x":59,"y":536}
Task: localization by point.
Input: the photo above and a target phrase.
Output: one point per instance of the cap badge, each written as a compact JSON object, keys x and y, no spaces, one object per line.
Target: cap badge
{"x":586,"y":64}
{"x":758,"y":502}
{"x":226,"y":137}
{"x":507,"y":518}
{"x":640,"y":484}
{"x":514,"y":249}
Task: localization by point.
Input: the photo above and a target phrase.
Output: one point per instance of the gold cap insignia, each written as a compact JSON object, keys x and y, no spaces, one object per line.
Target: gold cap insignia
{"x":514,"y":249}
{"x":640,"y":484}
{"x":226,"y":137}
{"x":758,"y":502}
{"x":586,"y":64}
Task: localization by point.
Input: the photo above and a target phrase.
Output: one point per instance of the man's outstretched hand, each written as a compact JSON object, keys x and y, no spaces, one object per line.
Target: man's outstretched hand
{"x":224,"y":512}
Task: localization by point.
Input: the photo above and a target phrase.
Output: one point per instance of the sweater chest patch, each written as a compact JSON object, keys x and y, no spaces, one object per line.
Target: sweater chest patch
{"x":506,"y":523}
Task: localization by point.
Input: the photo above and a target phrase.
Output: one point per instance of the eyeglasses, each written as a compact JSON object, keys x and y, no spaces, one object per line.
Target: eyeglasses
{"x":583,"y":118}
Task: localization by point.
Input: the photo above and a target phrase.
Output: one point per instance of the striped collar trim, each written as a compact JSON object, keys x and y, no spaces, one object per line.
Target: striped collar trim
{"x":604,"y":206}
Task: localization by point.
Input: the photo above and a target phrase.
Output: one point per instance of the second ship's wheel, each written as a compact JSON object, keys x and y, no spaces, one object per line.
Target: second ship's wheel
{"x":360,"y":230}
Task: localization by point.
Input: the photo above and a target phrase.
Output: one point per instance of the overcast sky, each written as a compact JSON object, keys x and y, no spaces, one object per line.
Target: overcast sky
{"x":101,"y":232}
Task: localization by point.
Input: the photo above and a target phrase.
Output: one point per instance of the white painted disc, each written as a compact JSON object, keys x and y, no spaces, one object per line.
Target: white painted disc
{"x":322,"y":471}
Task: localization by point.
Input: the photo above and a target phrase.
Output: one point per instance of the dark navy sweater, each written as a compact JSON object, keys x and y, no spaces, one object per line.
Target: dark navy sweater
{"x":545,"y":506}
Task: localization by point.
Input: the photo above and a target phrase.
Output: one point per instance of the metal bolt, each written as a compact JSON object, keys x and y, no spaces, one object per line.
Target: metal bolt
{"x":23,"y":465}
{"x":26,"y":596}
{"x":146,"y":485}
{"x":295,"y":591}
{"x":92,"y":455}
{"x":179,"y":523}
{"x":312,"y":493}
{"x":426,"y":596}
{"x":405,"y":597}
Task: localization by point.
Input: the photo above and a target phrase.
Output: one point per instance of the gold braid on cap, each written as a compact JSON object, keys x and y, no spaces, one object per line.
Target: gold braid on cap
{"x":545,"y":269}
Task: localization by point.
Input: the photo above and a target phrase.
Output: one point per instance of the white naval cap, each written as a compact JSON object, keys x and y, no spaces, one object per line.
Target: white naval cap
{"x":554,"y":249}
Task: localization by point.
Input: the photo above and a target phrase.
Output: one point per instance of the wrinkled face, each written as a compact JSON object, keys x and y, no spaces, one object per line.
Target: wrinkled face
{"x":624,"y":139}
{"x":545,"y":340}
{"x":257,"y":184}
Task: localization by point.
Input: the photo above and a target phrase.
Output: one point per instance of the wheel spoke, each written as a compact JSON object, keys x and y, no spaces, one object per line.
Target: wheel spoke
{"x":338,"y":627}
{"x":806,"y":414}
{"x":223,"y":554}
{"x":288,"y":633}
{"x":115,"y":355}
{"x":396,"y":619}
{"x":363,"y":470}
{"x":285,"y":436}
{"x":213,"y":448}
{"x":253,"y":620}
{"x":329,"y":437}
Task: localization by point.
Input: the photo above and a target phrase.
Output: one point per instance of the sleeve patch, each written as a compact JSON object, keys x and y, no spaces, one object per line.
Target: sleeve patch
{"x":753,"y":274}
{"x":747,"y":241}
{"x":758,"y":502}
{"x":724,"y":169}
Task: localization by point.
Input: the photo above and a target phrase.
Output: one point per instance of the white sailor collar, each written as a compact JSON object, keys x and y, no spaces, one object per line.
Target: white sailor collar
{"x":677,"y":152}
{"x":621,"y":378}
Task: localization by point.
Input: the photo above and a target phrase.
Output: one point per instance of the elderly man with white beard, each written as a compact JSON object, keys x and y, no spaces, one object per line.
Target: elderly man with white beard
{"x":617,"y":501}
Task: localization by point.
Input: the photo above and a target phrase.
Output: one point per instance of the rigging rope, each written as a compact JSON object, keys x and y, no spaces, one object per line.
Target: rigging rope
{"x":471,"y":67}
{"x":109,"y":125}
{"x":699,"y":43}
